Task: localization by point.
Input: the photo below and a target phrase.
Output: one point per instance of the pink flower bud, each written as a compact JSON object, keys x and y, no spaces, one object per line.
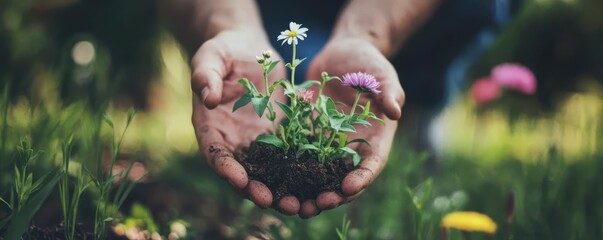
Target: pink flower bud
{"x":514,"y":76}
{"x":305,"y":95}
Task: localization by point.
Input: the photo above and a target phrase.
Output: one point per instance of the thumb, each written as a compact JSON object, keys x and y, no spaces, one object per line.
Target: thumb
{"x":208,"y":71}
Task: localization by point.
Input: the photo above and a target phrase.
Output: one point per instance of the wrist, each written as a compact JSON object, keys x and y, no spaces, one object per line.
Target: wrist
{"x":218,"y":23}
{"x":230,"y":15}
{"x":375,"y":32}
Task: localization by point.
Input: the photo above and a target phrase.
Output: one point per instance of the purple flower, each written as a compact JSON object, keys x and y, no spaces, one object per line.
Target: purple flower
{"x":514,"y":76}
{"x":363,"y":82}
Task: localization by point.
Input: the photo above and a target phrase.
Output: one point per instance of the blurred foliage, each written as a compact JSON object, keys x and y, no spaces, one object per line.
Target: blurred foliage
{"x":559,"y":40}
{"x":37,"y":37}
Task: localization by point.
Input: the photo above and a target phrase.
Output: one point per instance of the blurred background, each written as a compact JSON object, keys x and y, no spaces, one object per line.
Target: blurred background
{"x":532,"y":162}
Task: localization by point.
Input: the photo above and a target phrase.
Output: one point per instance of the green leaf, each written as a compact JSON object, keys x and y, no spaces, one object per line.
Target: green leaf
{"x":107,"y":119}
{"x":286,"y":109}
{"x":366,"y":110}
{"x":249,"y":86}
{"x":270,"y":139}
{"x":422,"y":193}
{"x":359,"y":140}
{"x":355,"y":155}
{"x":355,"y":159}
{"x":306,"y":147}
{"x":331,"y":107}
{"x":109,"y":219}
{"x":131,"y":113}
{"x":307,"y":84}
{"x":346,"y":127}
{"x":29,"y":181}
{"x":6,"y":203}
{"x":39,"y":182}
{"x":17,"y":174}
{"x":335,"y":122}
{"x":244,"y":100}
{"x":275,"y":85}
{"x":357,"y":121}
{"x":379,"y":120}
{"x":259,"y":104}
{"x":296,"y":62}
{"x":283,"y":136}
{"x":271,"y":66}
{"x":21,"y":220}
{"x":289,"y":88}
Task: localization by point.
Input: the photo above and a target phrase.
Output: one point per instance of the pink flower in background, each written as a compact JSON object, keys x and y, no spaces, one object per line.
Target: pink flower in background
{"x":514,"y":76}
{"x":362,"y":82}
{"x":484,"y":90}
{"x":305,"y":95}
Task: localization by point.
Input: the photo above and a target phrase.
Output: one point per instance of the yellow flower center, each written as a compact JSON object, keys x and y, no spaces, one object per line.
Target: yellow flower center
{"x":292,"y":34}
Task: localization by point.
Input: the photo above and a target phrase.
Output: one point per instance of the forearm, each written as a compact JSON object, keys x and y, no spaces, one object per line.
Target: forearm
{"x":384,"y":23}
{"x":195,"y":21}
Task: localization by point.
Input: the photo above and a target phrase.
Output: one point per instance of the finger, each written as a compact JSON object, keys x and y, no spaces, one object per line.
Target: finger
{"x":208,"y":71}
{"x":259,"y":194}
{"x":232,"y":171}
{"x":308,"y":209}
{"x":220,"y":157}
{"x":328,"y":200}
{"x":211,"y":141}
{"x":360,"y":178}
{"x":288,"y":205}
{"x":392,"y":98}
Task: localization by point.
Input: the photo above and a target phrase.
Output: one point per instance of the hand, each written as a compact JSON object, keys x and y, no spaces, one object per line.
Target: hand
{"x":346,"y":55}
{"x":216,"y":69}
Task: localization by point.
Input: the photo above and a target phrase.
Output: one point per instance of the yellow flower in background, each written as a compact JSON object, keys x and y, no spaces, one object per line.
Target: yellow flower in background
{"x":469,"y":221}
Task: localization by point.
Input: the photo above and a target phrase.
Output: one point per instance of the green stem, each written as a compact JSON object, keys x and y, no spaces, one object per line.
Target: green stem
{"x":331,"y":138}
{"x":265,"y":79}
{"x":274,"y":128}
{"x":320,"y":137}
{"x":293,"y":66}
{"x":355,"y":103}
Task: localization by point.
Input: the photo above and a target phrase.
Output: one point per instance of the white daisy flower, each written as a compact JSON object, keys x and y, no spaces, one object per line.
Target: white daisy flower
{"x":291,"y":35}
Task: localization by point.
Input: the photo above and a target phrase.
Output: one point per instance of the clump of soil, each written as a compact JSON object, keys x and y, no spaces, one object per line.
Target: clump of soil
{"x":285,"y":174}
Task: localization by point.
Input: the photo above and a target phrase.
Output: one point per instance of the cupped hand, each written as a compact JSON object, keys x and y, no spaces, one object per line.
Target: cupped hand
{"x":341,"y":56}
{"x":216,"y":68}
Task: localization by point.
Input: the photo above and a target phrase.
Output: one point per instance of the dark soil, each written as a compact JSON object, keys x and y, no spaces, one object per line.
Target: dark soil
{"x":285,"y":174}
{"x":54,"y":233}
{"x":58,"y":233}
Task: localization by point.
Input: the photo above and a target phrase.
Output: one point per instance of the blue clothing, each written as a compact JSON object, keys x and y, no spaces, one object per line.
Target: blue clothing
{"x":432,"y":62}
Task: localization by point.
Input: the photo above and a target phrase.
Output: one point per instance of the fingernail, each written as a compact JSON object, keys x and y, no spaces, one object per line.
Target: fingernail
{"x":396,"y":111}
{"x":204,"y":94}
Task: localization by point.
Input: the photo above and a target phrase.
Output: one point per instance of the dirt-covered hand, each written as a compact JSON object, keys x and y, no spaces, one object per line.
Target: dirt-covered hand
{"x":216,"y":68}
{"x":356,"y":55}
